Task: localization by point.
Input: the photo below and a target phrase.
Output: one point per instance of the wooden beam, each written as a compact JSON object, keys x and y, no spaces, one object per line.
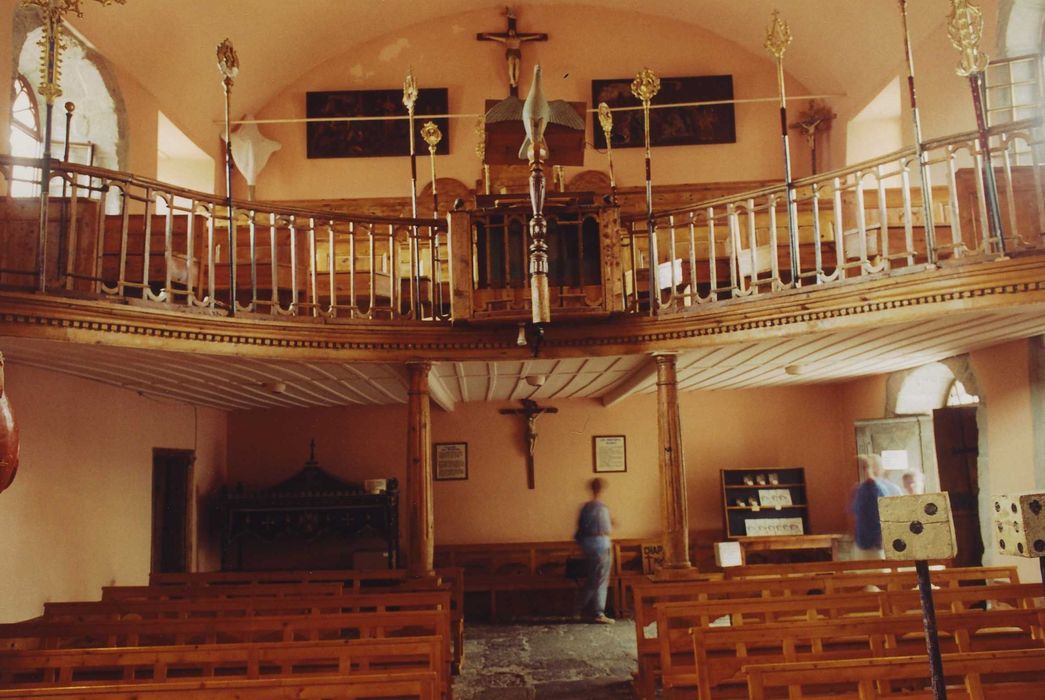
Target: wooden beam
{"x":421,"y":530}
{"x":674,"y":506}
{"x":630,"y":384}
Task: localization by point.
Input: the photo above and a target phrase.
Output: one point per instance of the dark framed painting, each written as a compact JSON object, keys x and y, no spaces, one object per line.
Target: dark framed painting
{"x":368,"y":139}
{"x":672,"y":126}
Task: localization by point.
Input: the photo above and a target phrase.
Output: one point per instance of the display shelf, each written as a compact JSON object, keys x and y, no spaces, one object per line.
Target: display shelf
{"x":787,"y":514}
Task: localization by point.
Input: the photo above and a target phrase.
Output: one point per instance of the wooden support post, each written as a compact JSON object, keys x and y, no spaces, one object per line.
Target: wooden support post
{"x":674,"y":508}
{"x":421,"y":545}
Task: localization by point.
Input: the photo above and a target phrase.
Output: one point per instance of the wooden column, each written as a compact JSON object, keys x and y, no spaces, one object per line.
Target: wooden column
{"x":421,"y":544}
{"x":674,"y":509}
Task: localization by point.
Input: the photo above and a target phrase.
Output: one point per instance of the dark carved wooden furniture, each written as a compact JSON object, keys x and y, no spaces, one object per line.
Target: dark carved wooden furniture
{"x":314,"y":517}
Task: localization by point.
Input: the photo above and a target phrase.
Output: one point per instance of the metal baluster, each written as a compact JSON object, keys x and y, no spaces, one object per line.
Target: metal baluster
{"x":818,"y":256}
{"x":353,"y":308}
{"x":252,"y":234}
{"x":908,"y":212}
{"x":837,"y":216}
{"x":736,"y":280}
{"x":712,"y":257}
{"x":121,"y":282}
{"x":190,"y":249}
{"x":861,"y":224}
{"x":693,"y":277}
{"x":883,"y":217}
{"x":274,"y":265}
{"x":147,"y":245}
{"x":1010,"y":195}
{"x":373,"y":270}
{"x":774,"y":264}
{"x":72,"y":238}
{"x":673,"y":256}
{"x":168,"y":249}
{"x":332,"y":269}
{"x":952,"y":202}
{"x":981,"y":205}
{"x":211,"y":294}
{"x":396,"y":292}
{"x":753,"y":246}
{"x":313,"y":290}
{"x":292,"y":227}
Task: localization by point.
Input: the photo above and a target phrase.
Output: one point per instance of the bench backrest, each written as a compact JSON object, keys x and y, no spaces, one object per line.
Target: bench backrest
{"x":249,"y":590}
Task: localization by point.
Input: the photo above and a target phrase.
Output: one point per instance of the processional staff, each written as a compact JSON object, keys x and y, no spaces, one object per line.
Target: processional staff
{"x":606,"y":122}
{"x":778,"y":38}
{"x":923,"y":158}
{"x":965,"y":30}
{"x":645,"y":87}
{"x":432,"y":136}
{"x":228,"y":65}
{"x":480,"y":150}
{"x":52,"y":14}
{"x":410,"y":94}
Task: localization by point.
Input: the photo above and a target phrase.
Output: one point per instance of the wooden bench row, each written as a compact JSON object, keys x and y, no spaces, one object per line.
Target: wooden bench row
{"x":406,"y":667}
{"x":649,"y":594}
{"x":722,"y":653}
{"x":357,"y":580}
{"x":1016,"y":674}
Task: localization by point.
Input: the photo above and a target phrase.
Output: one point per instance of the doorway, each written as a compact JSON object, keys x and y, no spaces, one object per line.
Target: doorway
{"x":956,"y":437}
{"x":171,"y":510}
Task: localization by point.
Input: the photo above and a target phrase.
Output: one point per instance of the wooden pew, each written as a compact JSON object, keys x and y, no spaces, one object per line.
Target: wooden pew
{"x":815,"y":567}
{"x":357,"y":580}
{"x":1016,"y":674}
{"x":376,"y":660}
{"x":145,"y":593}
{"x":721,"y":653}
{"x":647,"y":594}
{"x":676,"y":620}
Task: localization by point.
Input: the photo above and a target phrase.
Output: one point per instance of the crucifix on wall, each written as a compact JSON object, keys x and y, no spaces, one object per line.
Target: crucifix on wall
{"x":531,"y":411}
{"x":513,"y":41}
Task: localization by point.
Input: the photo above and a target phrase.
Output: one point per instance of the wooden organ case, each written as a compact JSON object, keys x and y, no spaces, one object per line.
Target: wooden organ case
{"x":583,"y":255}
{"x":313,"y":520}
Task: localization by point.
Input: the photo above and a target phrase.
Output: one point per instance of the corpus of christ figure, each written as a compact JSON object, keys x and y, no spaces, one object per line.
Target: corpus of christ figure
{"x":513,"y":41}
{"x":530,"y":411}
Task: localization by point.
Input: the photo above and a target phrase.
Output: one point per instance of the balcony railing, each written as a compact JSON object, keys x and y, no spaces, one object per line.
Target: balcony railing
{"x":114,"y":235}
{"x":867,"y":219}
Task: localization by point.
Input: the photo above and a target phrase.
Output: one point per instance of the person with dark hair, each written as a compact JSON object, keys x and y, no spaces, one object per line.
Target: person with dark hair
{"x":593,"y":536}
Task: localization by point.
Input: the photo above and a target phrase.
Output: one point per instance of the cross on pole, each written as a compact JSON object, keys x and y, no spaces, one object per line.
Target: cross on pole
{"x":531,"y":411}
{"x":513,"y":41}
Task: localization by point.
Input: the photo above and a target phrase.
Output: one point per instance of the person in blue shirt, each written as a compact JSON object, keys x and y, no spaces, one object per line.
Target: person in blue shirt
{"x":867,"y":527}
{"x":593,"y":536}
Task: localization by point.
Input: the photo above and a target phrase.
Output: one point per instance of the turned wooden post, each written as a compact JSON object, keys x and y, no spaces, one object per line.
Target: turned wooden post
{"x":421,"y":544}
{"x":674,"y":509}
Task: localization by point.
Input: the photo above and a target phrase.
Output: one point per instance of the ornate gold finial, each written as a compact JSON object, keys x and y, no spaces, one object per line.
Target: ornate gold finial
{"x":431,"y":135}
{"x":645,"y":86}
{"x":778,"y":36}
{"x":51,"y":42}
{"x":605,"y":120}
{"x":965,"y":30}
{"x":410,"y":91}
{"x":228,"y":61}
{"x":480,"y":137}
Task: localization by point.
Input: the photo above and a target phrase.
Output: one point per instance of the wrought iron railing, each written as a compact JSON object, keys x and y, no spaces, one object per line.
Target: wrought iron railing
{"x":131,"y":237}
{"x":866,"y":219}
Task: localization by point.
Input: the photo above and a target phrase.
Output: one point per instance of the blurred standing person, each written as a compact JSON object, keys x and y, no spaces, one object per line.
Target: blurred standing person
{"x":867,"y":527}
{"x":913,"y":483}
{"x":593,"y":536}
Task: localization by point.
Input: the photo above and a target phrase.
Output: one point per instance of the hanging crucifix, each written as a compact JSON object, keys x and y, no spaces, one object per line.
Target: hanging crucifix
{"x":531,"y":410}
{"x":513,"y":41}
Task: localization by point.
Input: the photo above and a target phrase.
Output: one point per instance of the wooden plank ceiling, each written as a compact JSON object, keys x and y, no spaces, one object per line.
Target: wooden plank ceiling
{"x":243,"y":383}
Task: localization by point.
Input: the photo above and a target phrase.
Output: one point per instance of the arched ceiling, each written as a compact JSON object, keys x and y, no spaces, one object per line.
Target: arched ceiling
{"x":169,"y":47}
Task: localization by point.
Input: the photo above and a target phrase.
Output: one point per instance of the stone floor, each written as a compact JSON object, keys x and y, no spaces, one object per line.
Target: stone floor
{"x":547,"y":660}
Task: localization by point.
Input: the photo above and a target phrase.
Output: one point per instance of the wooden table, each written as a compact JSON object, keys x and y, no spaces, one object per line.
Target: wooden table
{"x":774,"y":543}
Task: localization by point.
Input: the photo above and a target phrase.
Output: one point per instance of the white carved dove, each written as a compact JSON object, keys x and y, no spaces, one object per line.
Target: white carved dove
{"x":536,"y":114}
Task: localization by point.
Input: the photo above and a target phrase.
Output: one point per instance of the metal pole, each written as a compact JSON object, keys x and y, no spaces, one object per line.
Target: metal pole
{"x":410,"y":94}
{"x":923,"y":161}
{"x":228,"y":64}
{"x":932,"y":638}
{"x":62,"y":254}
{"x":778,"y":38}
{"x":990,"y":185}
{"x":606,"y":122}
{"x":645,"y":87}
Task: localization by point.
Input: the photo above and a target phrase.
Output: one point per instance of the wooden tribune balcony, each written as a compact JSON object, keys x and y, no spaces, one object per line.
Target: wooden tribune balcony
{"x":172,"y":258}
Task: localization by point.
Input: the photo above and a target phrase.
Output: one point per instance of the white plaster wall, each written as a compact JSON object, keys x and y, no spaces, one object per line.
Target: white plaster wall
{"x":78,"y":514}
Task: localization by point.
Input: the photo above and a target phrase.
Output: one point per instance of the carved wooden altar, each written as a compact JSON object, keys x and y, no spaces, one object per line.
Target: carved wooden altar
{"x":312,"y":511}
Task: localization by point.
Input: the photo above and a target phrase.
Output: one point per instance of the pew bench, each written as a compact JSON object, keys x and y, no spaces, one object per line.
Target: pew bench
{"x":649,"y":593}
{"x":1015,"y":674}
{"x":355,"y":580}
{"x":677,"y":620}
{"x":79,"y":669}
{"x":720,"y":654}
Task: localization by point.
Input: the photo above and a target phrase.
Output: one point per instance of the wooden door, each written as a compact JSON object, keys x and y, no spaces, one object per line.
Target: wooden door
{"x":171,"y":510}
{"x":956,"y":458}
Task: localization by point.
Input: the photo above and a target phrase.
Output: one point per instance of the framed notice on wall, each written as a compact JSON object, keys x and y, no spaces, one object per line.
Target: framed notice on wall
{"x":451,"y":461}
{"x":609,"y":453}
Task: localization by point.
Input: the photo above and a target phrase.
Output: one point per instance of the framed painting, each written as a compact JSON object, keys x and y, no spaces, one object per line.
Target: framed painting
{"x":451,"y":461}
{"x":367,"y":139}
{"x":609,"y":453}
{"x":671,"y":126}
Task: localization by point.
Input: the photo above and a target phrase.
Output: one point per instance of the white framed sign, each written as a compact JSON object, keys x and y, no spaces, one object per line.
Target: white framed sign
{"x":768,"y":498}
{"x":609,"y":453}
{"x":451,"y":461}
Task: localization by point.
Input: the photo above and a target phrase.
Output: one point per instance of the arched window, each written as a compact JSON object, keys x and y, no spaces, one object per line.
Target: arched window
{"x":26,"y":137}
